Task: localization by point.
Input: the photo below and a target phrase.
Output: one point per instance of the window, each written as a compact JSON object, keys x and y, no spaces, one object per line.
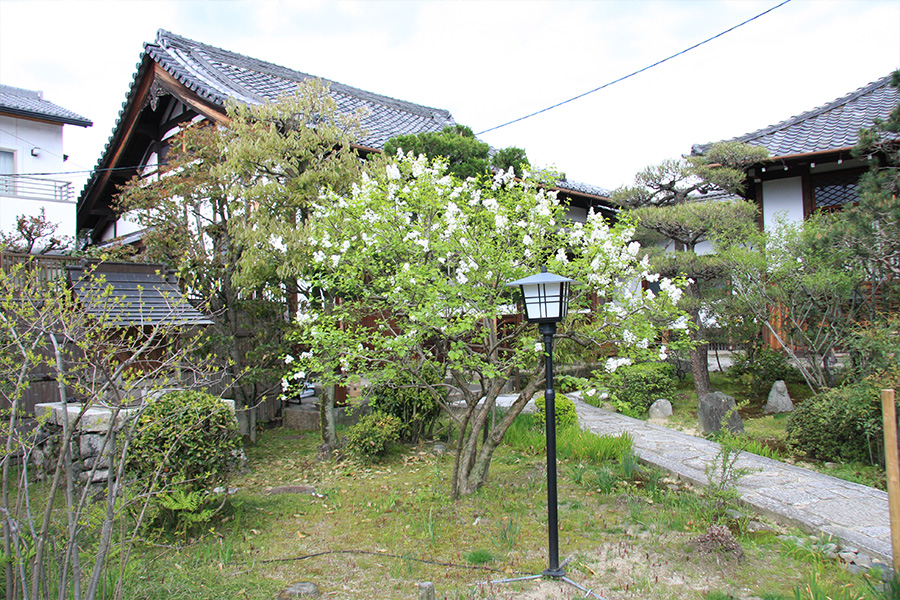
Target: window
{"x":831,"y":191}
{"x":7,"y":168}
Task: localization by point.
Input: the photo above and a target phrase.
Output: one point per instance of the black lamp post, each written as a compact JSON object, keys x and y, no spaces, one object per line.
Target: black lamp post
{"x":546,"y":298}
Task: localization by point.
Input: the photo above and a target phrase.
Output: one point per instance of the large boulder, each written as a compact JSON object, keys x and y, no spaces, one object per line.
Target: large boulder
{"x":717,"y":409}
{"x":779,"y":400}
{"x":660,"y":410}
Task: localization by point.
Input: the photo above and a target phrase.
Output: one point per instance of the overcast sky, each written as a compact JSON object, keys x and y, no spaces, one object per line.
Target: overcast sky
{"x":488,"y":63}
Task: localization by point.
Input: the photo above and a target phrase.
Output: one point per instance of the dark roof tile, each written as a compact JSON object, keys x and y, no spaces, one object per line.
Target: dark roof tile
{"x":829,"y":127}
{"x":28,"y":103}
{"x":217,"y":74}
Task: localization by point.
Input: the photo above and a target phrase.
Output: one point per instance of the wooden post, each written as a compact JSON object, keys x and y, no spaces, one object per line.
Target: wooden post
{"x":892,"y":467}
{"x":426,"y":590}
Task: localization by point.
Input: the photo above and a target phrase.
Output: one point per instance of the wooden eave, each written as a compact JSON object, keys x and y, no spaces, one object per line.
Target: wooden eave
{"x":151,"y":80}
{"x":30,"y":116}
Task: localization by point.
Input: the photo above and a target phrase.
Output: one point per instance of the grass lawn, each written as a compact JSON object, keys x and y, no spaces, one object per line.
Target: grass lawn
{"x":376,"y":531}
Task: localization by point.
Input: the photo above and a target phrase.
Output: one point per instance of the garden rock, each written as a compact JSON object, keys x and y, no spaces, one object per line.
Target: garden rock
{"x":717,"y":409}
{"x":292,"y":489}
{"x":779,"y":400}
{"x":301,"y":589}
{"x":661,"y":409}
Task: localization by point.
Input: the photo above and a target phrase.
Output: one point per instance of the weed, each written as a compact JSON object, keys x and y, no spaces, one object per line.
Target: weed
{"x":889,"y":590}
{"x":628,"y":462}
{"x":430,"y":526}
{"x":815,"y":589}
{"x":722,"y":474}
{"x":507,"y":535}
{"x":577,"y":472}
{"x":716,"y":595}
{"x":479,"y":557}
{"x":605,"y":480}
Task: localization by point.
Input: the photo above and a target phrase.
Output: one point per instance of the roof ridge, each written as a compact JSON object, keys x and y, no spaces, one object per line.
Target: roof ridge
{"x":838,"y":102}
{"x":263,"y":66}
{"x":9,"y":89}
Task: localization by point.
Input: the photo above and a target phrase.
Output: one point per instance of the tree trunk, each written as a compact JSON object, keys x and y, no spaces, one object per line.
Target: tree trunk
{"x":326,"y":417}
{"x":473,"y":462}
{"x":700,"y":368}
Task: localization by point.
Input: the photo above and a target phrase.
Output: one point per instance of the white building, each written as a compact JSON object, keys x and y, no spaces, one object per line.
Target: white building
{"x":31,"y":150}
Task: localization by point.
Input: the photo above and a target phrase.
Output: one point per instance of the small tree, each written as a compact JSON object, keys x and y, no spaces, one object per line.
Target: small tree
{"x":805,"y":294}
{"x":670,"y":204}
{"x":416,"y":264}
{"x":64,"y":553}
{"x":34,"y":234}
{"x":228,"y":202}
{"x":466,"y":156}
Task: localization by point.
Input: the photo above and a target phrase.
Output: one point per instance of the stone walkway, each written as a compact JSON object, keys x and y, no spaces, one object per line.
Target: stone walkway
{"x":855,"y":514}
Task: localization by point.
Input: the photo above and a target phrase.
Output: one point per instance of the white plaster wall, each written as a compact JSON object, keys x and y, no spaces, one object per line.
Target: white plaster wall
{"x":782,"y":198}
{"x":21,"y":136}
{"x":122,"y":226}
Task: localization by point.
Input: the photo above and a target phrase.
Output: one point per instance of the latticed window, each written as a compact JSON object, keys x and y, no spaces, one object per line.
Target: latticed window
{"x":833,"y":190}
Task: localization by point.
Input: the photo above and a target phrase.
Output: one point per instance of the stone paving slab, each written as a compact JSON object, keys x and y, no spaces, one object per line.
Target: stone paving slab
{"x":855,"y":514}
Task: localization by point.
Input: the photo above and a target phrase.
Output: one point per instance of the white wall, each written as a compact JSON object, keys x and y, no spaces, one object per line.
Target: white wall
{"x":21,"y":136}
{"x":784,"y":196}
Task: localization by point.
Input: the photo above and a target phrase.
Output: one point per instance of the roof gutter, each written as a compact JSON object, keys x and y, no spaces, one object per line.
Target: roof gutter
{"x":35,"y":116}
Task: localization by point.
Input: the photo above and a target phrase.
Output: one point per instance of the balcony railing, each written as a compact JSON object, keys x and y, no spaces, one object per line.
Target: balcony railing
{"x":49,"y":268}
{"x":34,"y":188}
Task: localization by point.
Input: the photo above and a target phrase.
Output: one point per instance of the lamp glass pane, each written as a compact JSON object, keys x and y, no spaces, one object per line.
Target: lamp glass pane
{"x":546,"y":301}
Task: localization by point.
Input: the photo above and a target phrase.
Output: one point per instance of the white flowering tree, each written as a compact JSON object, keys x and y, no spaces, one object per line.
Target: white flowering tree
{"x":410,"y":272}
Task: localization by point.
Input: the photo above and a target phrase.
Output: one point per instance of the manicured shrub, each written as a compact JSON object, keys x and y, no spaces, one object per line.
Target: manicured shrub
{"x":416,"y":408}
{"x":370,"y":438}
{"x":186,"y":438}
{"x":840,"y":424}
{"x":564,"y":409}
{"x":759,"y":368}
{"x":638,"y":386}
{"x":185,"y":444}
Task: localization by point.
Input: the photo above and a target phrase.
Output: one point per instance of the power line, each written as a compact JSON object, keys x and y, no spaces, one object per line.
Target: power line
{"x":30,"y":143}
{"x":648,"y":67}
{"x":89,"y":171}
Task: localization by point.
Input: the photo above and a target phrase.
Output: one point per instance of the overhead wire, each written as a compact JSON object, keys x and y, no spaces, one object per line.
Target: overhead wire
{"x":624,"y":77}
{"x":517,"y":120}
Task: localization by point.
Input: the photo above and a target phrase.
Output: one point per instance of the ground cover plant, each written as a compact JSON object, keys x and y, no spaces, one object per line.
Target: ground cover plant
{"x":374,"y":530}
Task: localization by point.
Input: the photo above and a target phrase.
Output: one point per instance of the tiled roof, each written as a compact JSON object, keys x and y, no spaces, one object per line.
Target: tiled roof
{"x":583,"y":188}
{"x":217,"y":75}
{"x":829,"y":127}
{"x":28,"y":103}
{"x":139,"y":295}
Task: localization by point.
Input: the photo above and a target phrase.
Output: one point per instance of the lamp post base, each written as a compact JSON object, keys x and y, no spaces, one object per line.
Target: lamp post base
{"x":557,"y":573}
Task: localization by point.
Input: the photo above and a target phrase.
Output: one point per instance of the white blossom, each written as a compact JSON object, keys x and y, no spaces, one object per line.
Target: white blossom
{"x":663,"y":354}
{"x":288,"y":359}
{"x":615,"y":362}
{"x":680,"y":323}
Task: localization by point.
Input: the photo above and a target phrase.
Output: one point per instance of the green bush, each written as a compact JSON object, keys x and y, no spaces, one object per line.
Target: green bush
{"x":184,"y":445}
{"x":185,"y":438}
{"x":840,"y":424}
{"x":564,"y":409}
{"x":759,"y":368}
{"x":416,"y":408}
{"x":369,"y":439}
{"x":638,"y":386}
